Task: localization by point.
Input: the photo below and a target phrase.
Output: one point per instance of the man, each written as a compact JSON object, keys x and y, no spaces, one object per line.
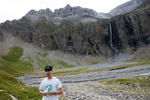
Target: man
{"x":50,"y":86}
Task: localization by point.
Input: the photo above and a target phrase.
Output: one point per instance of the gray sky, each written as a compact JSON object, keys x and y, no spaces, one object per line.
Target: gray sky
{"x":15,"y":9}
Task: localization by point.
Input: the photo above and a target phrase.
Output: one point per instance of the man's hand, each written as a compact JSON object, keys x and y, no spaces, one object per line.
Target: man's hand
{"x":59,"y":91}
{"x":52,"y":93}
{"x":43,"y":93}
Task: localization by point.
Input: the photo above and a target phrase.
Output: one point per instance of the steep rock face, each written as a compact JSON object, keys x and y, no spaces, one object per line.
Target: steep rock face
{"x":81,"y":38}
{"x":1,"y":36}
{"x":90,"y":38}
{"x":133,"y":28}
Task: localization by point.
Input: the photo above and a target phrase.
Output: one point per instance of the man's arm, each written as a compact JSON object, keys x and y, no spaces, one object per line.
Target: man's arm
{"x":59,"y":91}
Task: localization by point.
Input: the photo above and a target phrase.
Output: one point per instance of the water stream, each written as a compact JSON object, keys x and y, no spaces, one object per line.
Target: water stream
{"x":111,"y":39}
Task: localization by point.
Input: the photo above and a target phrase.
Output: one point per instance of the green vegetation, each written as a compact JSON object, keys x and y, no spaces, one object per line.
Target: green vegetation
{"x":11,"y":85}
{"x":118,"y":67}
{"x":138,"y":84}
{"x":135,"y":63}
{"x":139,"y":62}
{"x":66,"y":26}
{"x":42,"y":61}
{"x":74,"y":71}
{"x":46,"y":27}
{"x":65,"y":72}
{"x":92,"y":63}
{"x":30,"y":59}
{"x":13,"y":64}
{"x":14,"y":54}
{"x":84,"y":70}
{"x":64,"y":64}
{"x":43,"y":54}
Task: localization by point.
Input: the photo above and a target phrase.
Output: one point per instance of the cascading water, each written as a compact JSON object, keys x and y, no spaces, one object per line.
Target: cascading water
{"x":111,"y":39}
{"x":117,"y":56}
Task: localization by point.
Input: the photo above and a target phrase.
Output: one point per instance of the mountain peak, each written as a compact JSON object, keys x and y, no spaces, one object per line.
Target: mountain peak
{"x":67,"y":6}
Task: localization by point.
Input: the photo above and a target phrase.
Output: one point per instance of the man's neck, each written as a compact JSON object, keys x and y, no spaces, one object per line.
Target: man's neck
{"x":50,"y":77}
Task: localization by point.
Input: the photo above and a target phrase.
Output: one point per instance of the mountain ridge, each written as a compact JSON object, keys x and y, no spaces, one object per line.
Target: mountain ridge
{"x":67,"y":13}
{"x":126,"y":7}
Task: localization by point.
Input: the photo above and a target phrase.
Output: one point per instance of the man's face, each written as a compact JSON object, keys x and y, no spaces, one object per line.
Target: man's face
{"x":48,"y":73}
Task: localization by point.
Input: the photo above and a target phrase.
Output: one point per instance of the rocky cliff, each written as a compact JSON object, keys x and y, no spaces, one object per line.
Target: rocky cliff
{"x":132,"y":29}
{"x":80,"y":38}
{"x":1,"y":36}
{"x":129,"y":31}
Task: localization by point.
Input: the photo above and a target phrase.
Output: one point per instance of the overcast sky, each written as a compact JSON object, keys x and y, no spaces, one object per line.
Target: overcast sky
{"x":15,"y":9}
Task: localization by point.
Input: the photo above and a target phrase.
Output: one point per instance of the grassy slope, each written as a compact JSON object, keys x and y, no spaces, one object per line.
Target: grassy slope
{"x":13,"y":86}
{"x":12,"y":65}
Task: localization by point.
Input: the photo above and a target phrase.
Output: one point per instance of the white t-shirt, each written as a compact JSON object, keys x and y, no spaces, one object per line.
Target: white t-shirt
{"x":50,"y":85}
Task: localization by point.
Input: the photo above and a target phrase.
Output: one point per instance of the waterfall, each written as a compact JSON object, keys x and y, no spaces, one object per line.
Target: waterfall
{"x":110,"y":33}
{"x":111,"y":39}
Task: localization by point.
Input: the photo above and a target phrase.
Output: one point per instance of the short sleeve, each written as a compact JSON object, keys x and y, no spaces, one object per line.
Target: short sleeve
{"x":41,"y":87}
{"x":59,"y":84}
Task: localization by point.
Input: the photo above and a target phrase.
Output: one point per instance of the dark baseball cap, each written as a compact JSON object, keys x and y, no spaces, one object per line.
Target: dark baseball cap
{"x":48,"y":68}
